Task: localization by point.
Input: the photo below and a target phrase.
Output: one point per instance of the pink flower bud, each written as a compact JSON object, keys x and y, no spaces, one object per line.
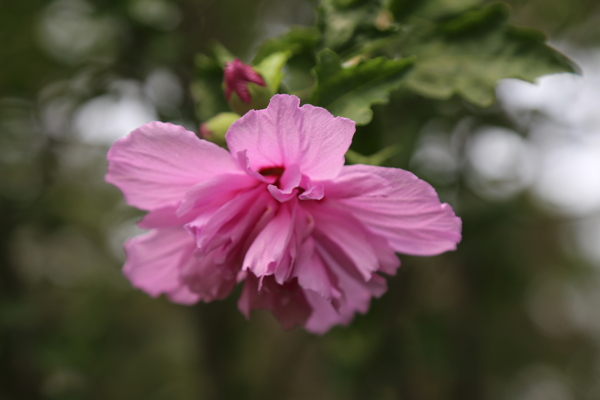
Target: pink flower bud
{"x":205,"y":132}
{"x":237,"y":77}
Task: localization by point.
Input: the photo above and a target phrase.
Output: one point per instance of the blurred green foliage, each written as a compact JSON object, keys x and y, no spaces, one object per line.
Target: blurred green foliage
{"x":456,"y":326}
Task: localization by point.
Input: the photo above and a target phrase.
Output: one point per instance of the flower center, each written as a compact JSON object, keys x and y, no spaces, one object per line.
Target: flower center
{"x":276,"y":177}
{"x":272,"y":171}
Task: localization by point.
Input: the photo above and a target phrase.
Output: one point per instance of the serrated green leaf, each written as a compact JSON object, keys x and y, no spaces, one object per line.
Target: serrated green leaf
{"x":467,"y":55}
{"x":351,"y":91}
{"x":345,"y":24}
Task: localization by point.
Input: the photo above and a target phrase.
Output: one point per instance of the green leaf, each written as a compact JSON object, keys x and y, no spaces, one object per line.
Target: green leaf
{"x":345,"y":24}
{"x":271,"y":69}
{"x":220,"y":54}
{"x":297,"y":40}
{"x":441,"y":8}
{"x":351,"y":91}
{"x":430,"y":9}
{"x":467,"y":55}
{"x":301,"y":44}
{"x":207,"y":86}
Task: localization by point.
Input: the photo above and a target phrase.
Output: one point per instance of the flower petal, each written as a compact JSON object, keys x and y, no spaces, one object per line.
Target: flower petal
{"x":209,"y":279}
{"x":356,"y":296}
{"x":155,"y":165}
{"x":215,"y":191}
{"x":285,"y":134}
{"x":346,"y":238}
{"x":270,"y":247}
{"x":313,"y":274}
{"x":290,"y":179}
{"x":163,"y":217}
{"x":287,"y":302}
{"x":232,"y":223}
{"x":405,"y":210}
{"x":154,"y":261}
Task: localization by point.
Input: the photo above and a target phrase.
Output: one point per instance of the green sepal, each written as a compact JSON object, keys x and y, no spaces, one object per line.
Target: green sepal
{"x":215,"y":128}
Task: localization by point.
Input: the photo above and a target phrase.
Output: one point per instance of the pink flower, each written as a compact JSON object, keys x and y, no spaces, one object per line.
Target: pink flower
{"x":237,"y":75}
{"x":307,"y":236}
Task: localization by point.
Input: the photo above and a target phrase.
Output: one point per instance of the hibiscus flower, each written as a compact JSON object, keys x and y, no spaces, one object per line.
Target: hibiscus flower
{"x":279,"y":213}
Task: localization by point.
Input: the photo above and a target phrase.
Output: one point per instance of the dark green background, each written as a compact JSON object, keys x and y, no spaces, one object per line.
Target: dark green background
{"x":456,"y":326}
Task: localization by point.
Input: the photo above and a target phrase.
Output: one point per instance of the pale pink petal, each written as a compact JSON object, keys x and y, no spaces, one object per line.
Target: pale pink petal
{"x":356,"y":297}
{"x":270,"y":247}
{"x":346,"y":238}
{"x":324,"y":315}
{"x":244,"y":163}
{"x":287,"y":302}
{"x":215,"y":191}
{"x":232,"y":222}
{"x":183,"y":295}
{"x":313,"y":274}
{"x":290,"y":179}
{"x":358,"y":181}
{"x":163,"y":218}
{"x":299,"y":249}
{"x":280,"y":196}
{"x":405,"y":210}
{"x":208,"y":279}
{"x":155,"y":165}
{"x":154,"y":261}
{"x":312,"y":190}
{"x":285,"y":134}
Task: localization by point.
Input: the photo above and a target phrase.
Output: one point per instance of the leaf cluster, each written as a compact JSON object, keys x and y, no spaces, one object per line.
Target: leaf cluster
{"x":363,"y":50}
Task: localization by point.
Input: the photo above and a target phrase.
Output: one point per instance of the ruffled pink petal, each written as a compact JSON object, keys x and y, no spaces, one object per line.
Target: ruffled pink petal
{"x":324,"y":315}
{"x":155,"y":165}
{"x":356,"y":297}
{"x":299,"y":248}
{"x":270,"y":248}
{"x":405,"y":210}
{"x":285,"y":134}
{"x":346,"y":238}
{"x":290,"y":179}
{"x":163,"y":218}
{"x":207,"y":278}
{"x":312,"y":190}
{"x":154,"y":262}
{"x":287,"y":302}
{"x":183,"y":295}
{"x":215,"y":192}
{"x":313,"y":274}
{"x":232,"y":224}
